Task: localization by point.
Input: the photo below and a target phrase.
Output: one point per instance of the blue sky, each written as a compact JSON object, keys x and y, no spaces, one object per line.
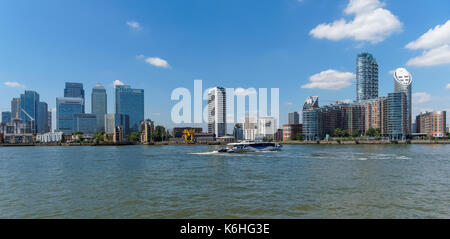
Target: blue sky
{"x":163,"y":45}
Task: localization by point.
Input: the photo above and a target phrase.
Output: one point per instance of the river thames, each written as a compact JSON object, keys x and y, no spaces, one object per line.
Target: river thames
{"x":301,"y":181}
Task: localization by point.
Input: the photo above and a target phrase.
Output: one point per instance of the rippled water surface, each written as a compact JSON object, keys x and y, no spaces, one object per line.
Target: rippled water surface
{"x":372,"y":181}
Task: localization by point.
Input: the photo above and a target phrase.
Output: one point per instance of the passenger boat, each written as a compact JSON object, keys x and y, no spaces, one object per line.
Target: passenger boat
{"x":250,"y":146}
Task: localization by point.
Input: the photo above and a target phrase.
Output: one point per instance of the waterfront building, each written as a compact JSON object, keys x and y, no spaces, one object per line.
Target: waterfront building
{"x":55,"y":137}
{"x":290,"y":131}
{"x":217,"y":111}
{"x":238,"y":131}
{"x":177,"y":132}
{"x":293,"y":118}
{"x":6,"y":117}
{"x":49,"y":121}
{"x":99,"y":105}
{"x":42,"y":122}
{"x":432,"y":123}
{"x":75,"y":90}
{"x":118,"y":134}
{"x":66,"y":108}
{"x":85,"y":123}
{"x":250,"y":128}
{"x":267,"y":127}
{"x":130,"y":102}
{"x":114,"y":120}
{"x":147,"y":128}
{"x":403,"y":83}
{"x":375,"y":113}
{"x":15,"y":108}
{"x":356,"y":116}
{"x":29,"y":110}
{"x":366,"y":77}
{"x":311,"y":118}
{"x":397,"y":116}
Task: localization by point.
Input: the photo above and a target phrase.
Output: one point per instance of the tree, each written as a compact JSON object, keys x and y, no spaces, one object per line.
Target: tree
{"x":159,"y":134}
{"x":99,"y":136}
{"x":356,"y":133}
{"x":371,"y":132}
{"x":377,"y":132}
{"x":338,"y":133}
{"x":78,"y":133}
{"x":134,"y":137}
{"x":345,"y":133}
{"x":299,"y":137}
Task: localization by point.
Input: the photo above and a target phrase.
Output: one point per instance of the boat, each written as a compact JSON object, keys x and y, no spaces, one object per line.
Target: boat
{"x":250,"y":146}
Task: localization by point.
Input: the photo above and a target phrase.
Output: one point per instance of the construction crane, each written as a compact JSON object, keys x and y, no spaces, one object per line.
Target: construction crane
{"x":31,"y":118}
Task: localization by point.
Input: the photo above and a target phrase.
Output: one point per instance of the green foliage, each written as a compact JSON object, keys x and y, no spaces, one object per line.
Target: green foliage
{"x":78,"y":133}
{"x":99,"y":136}
{"x":356,"y":133}
{"x":373,"y":132}
{"x":299,"y":137}
{"x":341,"y":133}
{"x":134,"y":137}
{"x":159,"y":134}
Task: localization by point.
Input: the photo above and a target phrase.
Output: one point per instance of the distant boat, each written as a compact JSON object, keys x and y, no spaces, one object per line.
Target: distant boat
{"x":250,"y":146}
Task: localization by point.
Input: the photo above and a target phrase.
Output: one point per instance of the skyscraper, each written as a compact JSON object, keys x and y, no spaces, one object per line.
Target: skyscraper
{"x":217,"y":112}
{"x":403,"y":83}
{"x":42,"y":123}
{"x":15,"y":108}
{"x":311,"y":118}
{"x":74,"y":90}
{"x":99,"y":105}
{"x":130,"y":102}
{"x":6,"y":117}
{"x":293,"y":118}
{"x":66,"y":108}
{"x":366,"y":77}
{"x":115,"y":120}
{"x":85,"y":123}
{"x":29,"y":109}
{"x":397,"y":123}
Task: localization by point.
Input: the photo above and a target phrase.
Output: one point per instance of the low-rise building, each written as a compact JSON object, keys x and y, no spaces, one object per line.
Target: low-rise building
{"x":147,"y":128}
{"x":177,"y":132}
{"x":432,"y":123}
{"x":55,"y":137}
{"x":290,"y":131}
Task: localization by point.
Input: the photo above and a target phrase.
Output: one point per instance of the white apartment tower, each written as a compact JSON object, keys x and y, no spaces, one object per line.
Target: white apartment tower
{"x":217,"y":112}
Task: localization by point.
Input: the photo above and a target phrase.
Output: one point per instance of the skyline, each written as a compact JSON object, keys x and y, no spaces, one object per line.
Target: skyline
{"x":159,"y":47}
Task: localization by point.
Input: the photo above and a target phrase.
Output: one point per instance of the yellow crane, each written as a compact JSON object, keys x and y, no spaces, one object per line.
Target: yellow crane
{"x":189,"y":135}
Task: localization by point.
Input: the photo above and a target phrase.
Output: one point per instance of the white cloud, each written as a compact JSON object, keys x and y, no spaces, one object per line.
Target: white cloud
{"x":330,"y":80}
{"x":421,"y":97}
{"x":436,"y":46}
{"x":433,"y":57}
{"x":13,"y":84}
{"x":371,"y":23}
{"x":117,"y":82}
{"x":134,"y":25}
{"x":434,"y":38}
{"x":158,"y":62}
{"x":448,"y":86}
{"x":245,"y":92}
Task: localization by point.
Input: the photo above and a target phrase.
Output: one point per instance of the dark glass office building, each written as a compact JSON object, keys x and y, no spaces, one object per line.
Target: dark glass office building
{"x":42,"y":123}
{"x":6,"y":117}
{"x":15,"y":108}
{"x":29,"y":109}
{"x":99,"y":105}
{"x":74,"y":90}
{"x":366,"y":77}
{"x":397,"y":116}
{"x":66,"y":108}
{"x":130,"y":102}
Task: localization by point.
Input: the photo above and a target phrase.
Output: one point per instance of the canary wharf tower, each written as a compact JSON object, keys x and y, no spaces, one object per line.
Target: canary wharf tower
{"x":366,"y":77}
{"x":403,"y":83}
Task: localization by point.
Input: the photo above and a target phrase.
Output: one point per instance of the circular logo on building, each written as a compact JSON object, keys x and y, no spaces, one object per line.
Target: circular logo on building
{"x":402,"y":76}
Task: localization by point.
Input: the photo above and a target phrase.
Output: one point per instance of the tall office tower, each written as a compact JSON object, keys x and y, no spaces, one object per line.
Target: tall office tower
{"x":403,"y":83}
{"x":49,"y":121}
{"x":294,"y":118}
{"x":29,"y":110}
{"x":6,"y":117}
{"x":397,"y":113}
{"x":42,"y":126}
{"x":74,"y":90}
{"x":366,"y":77}
{"x":99,"y":105}
{"x":130,"y":102}
{"x":15,"y":108}
{"x":217,"y":112}
{"x":66,"y":108}
{"x":311,"y":118}
{"x":85,"y":123}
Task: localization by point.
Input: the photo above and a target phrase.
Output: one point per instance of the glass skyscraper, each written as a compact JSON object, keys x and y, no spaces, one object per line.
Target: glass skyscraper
{"x":29,"y":109}
{"x":99,"y":105}
{"x":85,"y":123}
{"x":15,"y":108}
{"x":293,"y":118}
{"x":397,"y":113}
{"x":6,"y":117}
{"x":66,"y":108}
{"x":42,"y":123}
{"x":403,"y":83}
{"x":114,"y":120}
{"x":366,"y":77}
{"x":311,"y":118}
{"x":130,"y":102}
{"x":74,"y":90}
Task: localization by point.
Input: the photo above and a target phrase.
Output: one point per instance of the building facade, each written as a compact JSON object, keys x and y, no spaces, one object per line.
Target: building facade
{"x":294,"y":118}
{"x":403,"y":83}
{"x":432,"y":123}
{"x":311,"y":118}
{"x":290,"y":131}
{"x":6,"y":117}
{"x":99,"y":105}
{"x":42,"y":123}
{"x":29,"y":110}
{"x":177,"y":132}
{"x":85,"y":123}
{"x":267,"y":127}
{"x":397,"y":116}
{"x":130,"y":102}
{"x":147,"y":127}
{"x":15,"y":108}
{"x":66,"y":108}
{"x":75,"y":90}
{"x":217,"y":115}
{"x":114,"y":120}
{"x":366,"y":77}
{"x":238,"y":131}
{"x":250,"y":128}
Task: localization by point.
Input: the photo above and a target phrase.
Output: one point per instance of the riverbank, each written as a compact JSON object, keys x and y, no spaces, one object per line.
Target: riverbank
{"x":356,"y":142}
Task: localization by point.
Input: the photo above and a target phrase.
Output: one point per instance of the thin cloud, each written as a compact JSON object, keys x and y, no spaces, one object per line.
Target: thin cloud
{"x":134,"y":25}
{"x":421,"y":97}
{"x":436,"y":46}
{"x":117,"y":82}
{"x":448,"y":86}
{"x":13,"y":84}
{"x":330,"y":80}
{"x":245,"y":92}
{"x":158,"y":62}
{"x":371,"y":23}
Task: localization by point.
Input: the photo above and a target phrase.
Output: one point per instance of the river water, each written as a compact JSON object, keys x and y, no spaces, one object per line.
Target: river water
{"x":302,"y":181}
